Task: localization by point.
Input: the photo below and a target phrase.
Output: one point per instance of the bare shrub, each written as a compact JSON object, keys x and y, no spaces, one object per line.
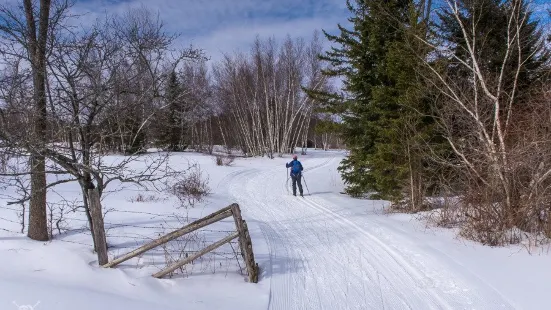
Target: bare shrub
{"x":179,"y":249}
{"x":406,"y":206}
{"x":57,"y":217}
{"x":143,"y":198}
{"x":192,"y":188}
{"x":446,"y":212}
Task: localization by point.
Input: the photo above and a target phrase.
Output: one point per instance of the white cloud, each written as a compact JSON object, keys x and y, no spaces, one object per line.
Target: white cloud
{"x":239,"y":38}
{"x":219,"y":26}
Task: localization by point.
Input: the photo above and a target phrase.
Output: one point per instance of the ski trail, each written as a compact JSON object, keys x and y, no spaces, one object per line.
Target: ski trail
{"x":320,"y":259}
{"x":451,"y":292}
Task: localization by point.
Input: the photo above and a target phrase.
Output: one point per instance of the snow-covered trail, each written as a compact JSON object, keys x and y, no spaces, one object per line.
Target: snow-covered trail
{"x":322,"y":258}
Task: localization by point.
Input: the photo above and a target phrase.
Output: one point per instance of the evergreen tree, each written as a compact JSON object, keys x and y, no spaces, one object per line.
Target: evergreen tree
{"x":350,"y":60}
{"x":382,"y":124}
{"x":491,"y":18}
{"x":172,"y":120}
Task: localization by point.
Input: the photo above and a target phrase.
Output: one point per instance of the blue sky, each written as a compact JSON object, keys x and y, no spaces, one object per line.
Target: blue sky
{"x":228,"y":25}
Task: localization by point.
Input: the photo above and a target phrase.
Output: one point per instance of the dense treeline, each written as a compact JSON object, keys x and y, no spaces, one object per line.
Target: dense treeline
{"x":452,"y":104}
{"x":252,"y":103}
{"x":442,"y":106}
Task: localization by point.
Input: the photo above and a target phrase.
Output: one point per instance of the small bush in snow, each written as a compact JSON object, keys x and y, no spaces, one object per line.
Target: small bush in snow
{"x":57,"y":217}
{"x":191,"y":188}
{"x":142,"y":198}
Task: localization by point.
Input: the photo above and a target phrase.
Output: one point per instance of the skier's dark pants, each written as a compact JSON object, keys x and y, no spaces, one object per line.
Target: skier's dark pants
{"x":296,"y":179}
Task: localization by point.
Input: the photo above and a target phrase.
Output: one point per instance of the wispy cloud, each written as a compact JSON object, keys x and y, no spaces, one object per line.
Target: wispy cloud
{"x":220,"y":26}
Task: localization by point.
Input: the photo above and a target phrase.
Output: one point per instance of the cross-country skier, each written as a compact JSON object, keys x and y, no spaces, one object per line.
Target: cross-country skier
{"x":296,"y":174}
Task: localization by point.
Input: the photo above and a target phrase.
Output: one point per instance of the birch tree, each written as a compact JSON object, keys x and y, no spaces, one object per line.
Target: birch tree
{"x":262,"y":94}
{"x":484,"y":95}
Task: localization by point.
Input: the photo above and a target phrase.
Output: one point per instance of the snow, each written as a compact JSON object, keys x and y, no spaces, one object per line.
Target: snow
{"x":323,"y":251}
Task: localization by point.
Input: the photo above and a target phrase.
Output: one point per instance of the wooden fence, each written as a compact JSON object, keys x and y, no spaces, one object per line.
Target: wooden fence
{"x":242,"y":233}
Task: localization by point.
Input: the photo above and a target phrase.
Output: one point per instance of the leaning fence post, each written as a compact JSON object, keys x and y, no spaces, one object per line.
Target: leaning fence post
{"x":236,"y":212}
{"x":242,"y":233}
{"x":97,"y":225}
{"x":245,"y":244}
{"x":252,"y":266}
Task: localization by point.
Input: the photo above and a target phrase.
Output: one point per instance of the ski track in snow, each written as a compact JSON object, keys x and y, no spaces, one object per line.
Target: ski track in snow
{"x":321,"y":259}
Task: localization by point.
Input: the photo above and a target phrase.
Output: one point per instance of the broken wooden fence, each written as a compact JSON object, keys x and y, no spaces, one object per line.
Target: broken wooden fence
{"x":242,"y":233}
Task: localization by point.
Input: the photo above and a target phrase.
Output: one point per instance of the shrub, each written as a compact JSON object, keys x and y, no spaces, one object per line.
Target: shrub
{"x":142,"y":198}
{"x":192,"y":188}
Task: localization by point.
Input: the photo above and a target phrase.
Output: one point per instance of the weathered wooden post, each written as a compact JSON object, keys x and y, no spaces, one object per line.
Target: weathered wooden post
{"x":252,"y":266}
{"x":236,"y":212}
{"x":97,"y":224}
{"x":245,"y":244}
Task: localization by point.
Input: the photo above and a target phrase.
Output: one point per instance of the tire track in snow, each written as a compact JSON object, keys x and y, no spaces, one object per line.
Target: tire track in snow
{"x":279,"y":249}
{"x":453,"y":291}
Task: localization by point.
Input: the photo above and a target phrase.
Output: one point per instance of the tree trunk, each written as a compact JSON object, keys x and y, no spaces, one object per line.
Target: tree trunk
{"x":100,"y":241}
{"x":38,"y":222}
{"x":37,"y":53}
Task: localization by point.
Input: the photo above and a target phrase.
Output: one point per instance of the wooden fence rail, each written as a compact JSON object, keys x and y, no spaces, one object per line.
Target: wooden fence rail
{"x":241,"y":232}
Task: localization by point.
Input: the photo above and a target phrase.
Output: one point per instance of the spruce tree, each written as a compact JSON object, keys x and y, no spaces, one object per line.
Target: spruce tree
{"x":382,"y":124}
{"x":349,"y":58}
{"x":171,"y":129}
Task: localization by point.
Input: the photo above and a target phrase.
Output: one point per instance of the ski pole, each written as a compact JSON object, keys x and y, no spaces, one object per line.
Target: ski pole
{"x":306,"y":185}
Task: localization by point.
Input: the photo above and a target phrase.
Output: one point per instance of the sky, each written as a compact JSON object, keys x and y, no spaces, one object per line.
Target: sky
{"x":225,"y":26}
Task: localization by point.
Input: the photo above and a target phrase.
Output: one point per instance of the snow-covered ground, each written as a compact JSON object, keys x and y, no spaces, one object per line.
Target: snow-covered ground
{"x":324,"y":251}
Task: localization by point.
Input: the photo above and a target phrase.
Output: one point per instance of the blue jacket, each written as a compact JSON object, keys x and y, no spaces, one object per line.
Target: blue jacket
{"x":296,"y":167}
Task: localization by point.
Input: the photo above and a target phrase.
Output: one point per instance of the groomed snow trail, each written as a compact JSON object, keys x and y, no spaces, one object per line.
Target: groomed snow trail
{"x":322,"y":259}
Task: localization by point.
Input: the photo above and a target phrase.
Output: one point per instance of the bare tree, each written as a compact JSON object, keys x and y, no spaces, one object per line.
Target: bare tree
{"x":26,"y":31}
{"x":92,"y":78}
{"x":198,"y":107}
{"x":95,"y":74}
{"x":480,"y":115}
{"x":261,"y":94}
{"x":36,"y":48}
